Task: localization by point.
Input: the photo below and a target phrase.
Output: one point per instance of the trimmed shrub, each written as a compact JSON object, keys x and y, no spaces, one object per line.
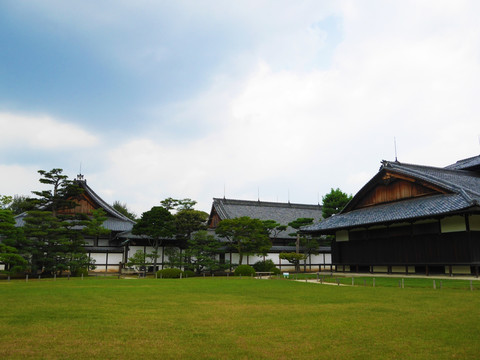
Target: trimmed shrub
{"x":263,"y":266}
{"x":244,"y":270}
{"x":169,"y":273}
{"x":189,"y":273}
{"x":267,"y":265}
{"x":275,"y":271}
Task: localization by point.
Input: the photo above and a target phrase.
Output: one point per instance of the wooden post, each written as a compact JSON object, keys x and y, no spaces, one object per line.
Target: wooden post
{"x":26,"y":278}
{"x":471,"y":285}
{"x":434,"y":285}
{"x":403,"y":284}
{"x":353,"y":281}
{"x":373,"y":282}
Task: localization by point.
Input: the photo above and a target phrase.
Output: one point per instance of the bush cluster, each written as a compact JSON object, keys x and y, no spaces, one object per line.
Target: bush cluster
{"x":174,"y":273}
{"x":244,"y":270}
{"x":267,"y":265}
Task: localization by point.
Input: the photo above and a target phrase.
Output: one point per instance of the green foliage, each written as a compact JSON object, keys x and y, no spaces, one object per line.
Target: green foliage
{"x":53,"y":243}
{"x":21,"y":203}
{"x":11,"y":237}
{"x":138,"y":260}
{"x":80,"y":271}
{"x":202,"y":252}
{"x":293,"y":258}
{"x":300,"y":222}
{"x":187,"y":221}
{"x":62,"y":196}
{"x":247,"y":236}
{"x":266,"y":266}
{"x":173,"y":257}
{"x":244,"y":270}
{"x":94,"y":227}
{"x":334,"y":202}
{"x":157,"y":224}
{"x":189,"y":273}
{"x":122,"y":208}
{"x":263,"y":266}
{"x":5,"y":201}
{"x":274,"y":228}
{"x":172,"y":273}
{"x":183,"y":204}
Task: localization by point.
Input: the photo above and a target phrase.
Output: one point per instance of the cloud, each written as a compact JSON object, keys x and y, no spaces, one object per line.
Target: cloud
{"x":19,"y":180}
{"x":42,"y":132}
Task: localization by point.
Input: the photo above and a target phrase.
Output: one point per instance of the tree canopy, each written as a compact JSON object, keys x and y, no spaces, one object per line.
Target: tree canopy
{"x":334,"y":202}
{"x":246,"y":235}
{"x":122,"y":208}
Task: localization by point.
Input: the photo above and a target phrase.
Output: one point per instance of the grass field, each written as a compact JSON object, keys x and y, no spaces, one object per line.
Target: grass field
{"x":231,"y":318}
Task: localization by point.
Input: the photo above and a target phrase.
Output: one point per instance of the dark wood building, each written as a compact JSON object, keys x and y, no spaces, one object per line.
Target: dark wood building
{"x":410,"y":219}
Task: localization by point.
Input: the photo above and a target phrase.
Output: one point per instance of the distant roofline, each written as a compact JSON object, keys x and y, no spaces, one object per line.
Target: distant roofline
{"x":267,"y":203}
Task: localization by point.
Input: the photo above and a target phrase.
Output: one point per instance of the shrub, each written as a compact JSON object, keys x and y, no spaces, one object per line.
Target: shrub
{"x":80,"y":271}
{"x":275,"y":271}
{"x":189,"y":273}
{"x":263,"y":266}
{"x":244,"y":270}
{"x":267,"y":265}
{"x":169,"y":273}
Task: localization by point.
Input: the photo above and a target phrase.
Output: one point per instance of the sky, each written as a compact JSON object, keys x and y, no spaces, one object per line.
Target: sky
{"x":269,"y":99}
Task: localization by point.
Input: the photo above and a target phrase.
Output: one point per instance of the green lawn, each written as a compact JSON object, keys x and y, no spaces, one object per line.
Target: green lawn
{"x":231,"y":318}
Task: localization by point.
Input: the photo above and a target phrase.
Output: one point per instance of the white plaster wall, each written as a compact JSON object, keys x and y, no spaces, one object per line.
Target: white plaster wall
{"x":115,"y":259}
{"x":100,"y":258}
{"x":103,"y":242}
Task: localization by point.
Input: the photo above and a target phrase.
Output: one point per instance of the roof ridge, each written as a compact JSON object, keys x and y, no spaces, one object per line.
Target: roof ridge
{"x":265,"y":203}
{"x":106,"y":206}
{"x":444,"y":183}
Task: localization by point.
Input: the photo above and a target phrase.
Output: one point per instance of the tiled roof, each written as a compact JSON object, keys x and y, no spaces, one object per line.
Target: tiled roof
{"x":462,"y":191}
{"x":104,"y":205}
{"x":466,"y":164}
{"x":282,"y":213}
{"x":115,"y":220}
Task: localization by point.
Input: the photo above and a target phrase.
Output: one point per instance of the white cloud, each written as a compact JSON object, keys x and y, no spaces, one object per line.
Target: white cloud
{"x":42,"y":132}
{"x":404,"y":69}
{"x":18,"y":180}
{"x":397,"y":73}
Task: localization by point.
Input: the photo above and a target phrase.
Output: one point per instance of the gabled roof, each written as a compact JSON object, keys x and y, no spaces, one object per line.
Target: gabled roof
{"x":101,"y":203}
{"x":454,"y":191}
{"x":282,"y":213}
{"x":115,"y":220}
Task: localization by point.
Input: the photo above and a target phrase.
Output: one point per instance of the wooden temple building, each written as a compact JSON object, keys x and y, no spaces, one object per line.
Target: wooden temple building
{"x":282,"y":213}
{"x":108,"y":253}
{"x":410,"y":219}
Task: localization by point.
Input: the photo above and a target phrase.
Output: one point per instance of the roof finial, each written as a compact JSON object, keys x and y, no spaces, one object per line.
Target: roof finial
{"x":80,"y":177}
{"x":395,"y":145}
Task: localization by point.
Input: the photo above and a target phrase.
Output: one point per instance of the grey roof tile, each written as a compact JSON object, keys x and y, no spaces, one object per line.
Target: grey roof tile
{"x":462,"y":192}
{"x":282,"y":213}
